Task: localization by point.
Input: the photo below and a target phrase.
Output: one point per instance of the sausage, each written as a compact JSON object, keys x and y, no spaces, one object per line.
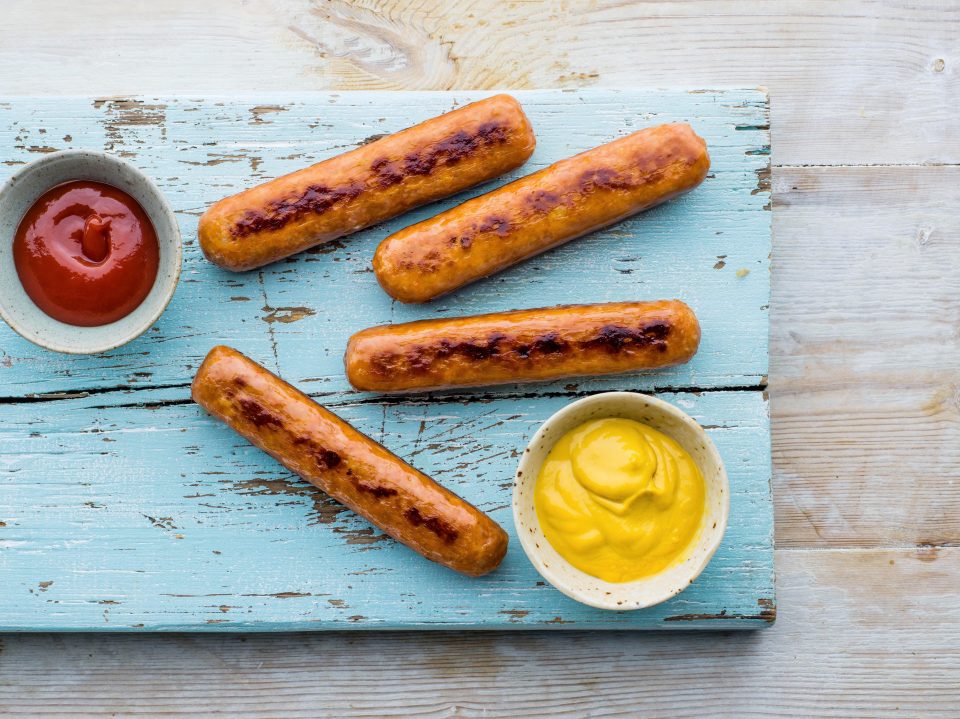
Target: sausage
{"x":522,"y":346}
{"x":370,"y":184}
{"x":540,"y":211}
{"x":349,"y":466}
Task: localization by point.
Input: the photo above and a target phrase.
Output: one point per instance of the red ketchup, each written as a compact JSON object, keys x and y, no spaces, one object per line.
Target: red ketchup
{"x":86,"y":253}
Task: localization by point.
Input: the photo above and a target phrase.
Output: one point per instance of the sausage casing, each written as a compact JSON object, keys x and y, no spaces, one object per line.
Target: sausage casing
{"x":540,"y":211}
{"x":370,"y":184}
{"x":522,"y":346}
{"x":349,"y":466}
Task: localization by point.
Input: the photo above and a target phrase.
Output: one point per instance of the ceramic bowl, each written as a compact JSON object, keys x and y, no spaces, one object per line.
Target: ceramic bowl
{"x":650,"y":590}
{"x":17,"y":196}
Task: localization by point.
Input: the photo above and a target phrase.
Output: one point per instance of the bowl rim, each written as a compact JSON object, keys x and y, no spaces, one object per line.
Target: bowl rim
{"x":165,"y":209}
{"x":527,"y":538}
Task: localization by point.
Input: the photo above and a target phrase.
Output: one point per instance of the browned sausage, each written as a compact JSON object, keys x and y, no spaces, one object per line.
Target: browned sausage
{"x":349,"y":466}
{"x":540,"y":211}
{"x":373,"y":183}
{"x":522,"y":346}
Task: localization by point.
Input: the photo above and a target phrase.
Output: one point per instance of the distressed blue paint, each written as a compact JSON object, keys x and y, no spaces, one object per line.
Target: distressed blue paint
{"x":670,"y":251}
{"x":124,"y":511}
{"x":161,"y":516}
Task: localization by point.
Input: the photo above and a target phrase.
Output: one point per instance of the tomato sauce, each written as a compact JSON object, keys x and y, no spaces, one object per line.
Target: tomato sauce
{"x":86,"y":253}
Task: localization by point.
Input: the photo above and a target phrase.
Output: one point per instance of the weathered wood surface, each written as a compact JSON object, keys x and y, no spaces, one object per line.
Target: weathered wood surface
{"x":869,"y":633}
{"x":865,"y":392}
{"x":868,"y":462}
{"x":299,"y":313}
{"x":219,"y":537}
{"x":154,"y":516}
{"x":853,"y":82}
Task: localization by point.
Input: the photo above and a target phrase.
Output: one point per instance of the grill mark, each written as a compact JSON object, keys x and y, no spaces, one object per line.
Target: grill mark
{"x":318,"y":199}
{"x":386,"y":172}
{"x":454,"y":148}
{"x":549,"y":343}
{"x":258,"y":414}
{"x":377,"y":491}
{"x":238,"y":382}
{"x":326,"y":458}
{"x":496,"y":224}
{"x":438,"y":526}
{"x":541,"y":201}
{"x":604,"y":178}
{"x":499,"y":224}
{"x":615,"y":338}
{"x":611,"y":338}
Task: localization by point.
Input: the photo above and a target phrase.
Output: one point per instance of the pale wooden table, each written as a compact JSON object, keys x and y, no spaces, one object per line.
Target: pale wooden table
{"x":865,"y":380}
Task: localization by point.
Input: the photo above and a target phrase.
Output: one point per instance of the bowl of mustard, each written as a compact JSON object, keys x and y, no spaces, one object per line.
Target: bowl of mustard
{"x":620,"y":500}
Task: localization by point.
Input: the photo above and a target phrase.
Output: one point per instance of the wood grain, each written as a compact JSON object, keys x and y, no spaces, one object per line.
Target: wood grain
{"x":863,"y":381}
{"x":867,"y":633}
{"x":857,"y":82}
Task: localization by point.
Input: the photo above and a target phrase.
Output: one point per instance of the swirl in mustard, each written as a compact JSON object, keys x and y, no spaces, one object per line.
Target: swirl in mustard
{"x":619,"y":500}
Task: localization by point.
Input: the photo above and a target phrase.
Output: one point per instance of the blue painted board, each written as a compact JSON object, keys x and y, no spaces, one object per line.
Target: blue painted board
{"x":124,"y":507}
{"x":201,"y":150}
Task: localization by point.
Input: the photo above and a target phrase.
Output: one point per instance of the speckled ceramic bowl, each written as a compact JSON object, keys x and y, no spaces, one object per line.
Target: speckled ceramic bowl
{"x":644,"y":592}
{"x":17,"y":196}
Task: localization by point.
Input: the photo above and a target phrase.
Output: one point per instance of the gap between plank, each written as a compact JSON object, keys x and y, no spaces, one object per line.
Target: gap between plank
{"x":871,"y":548}
{"x":346,"y":400}
{"x":904,"y":165}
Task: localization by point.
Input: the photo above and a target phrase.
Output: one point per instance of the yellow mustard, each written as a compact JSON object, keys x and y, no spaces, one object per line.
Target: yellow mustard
{"x":619,"y":500}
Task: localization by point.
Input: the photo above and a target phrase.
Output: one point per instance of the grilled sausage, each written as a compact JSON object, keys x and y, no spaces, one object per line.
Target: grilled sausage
{"x":540,"y":211}
{"x":347,"y":465}
{"x":370,"y":184}
{"x":522,"y":346}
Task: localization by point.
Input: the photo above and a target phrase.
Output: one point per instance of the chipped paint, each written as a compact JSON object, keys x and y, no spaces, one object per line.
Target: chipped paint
{"x":767,"y":613}
{"x":259,"y":113}
{"x":372,"y":138}
{"x":763,"y":180}
{"x":287,"y":315}
{"x":124,"y":118}
{"x":361,"y":535}
{"x":215,"y":159}
{"x":326,"y":510}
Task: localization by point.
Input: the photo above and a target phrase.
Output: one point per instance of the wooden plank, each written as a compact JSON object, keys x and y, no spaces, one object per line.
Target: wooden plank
{"x":866,"y":633}
{"x":300,"y":312}
{"x":866,"y":434}
{"x":855,"y":82}
{"x":137,"y":511}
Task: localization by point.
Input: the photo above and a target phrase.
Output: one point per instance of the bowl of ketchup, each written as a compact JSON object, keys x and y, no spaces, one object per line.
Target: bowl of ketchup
{"x":90,"y":252}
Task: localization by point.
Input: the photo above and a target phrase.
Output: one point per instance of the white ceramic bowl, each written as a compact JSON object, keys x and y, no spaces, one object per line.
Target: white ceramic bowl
{"x":17,"y":196}
{"x":650,"y":590}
